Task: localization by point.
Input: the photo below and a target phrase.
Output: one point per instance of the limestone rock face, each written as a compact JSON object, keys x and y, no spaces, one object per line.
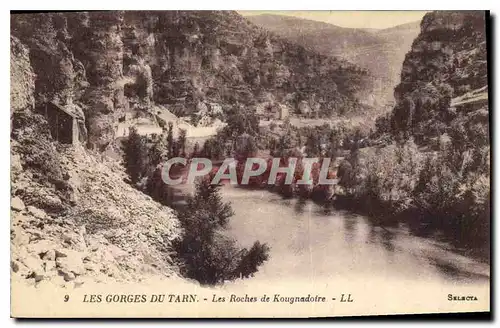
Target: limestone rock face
{"x":112,"y":232}
{"x":59,"y":76}
{"x":22,"y":77}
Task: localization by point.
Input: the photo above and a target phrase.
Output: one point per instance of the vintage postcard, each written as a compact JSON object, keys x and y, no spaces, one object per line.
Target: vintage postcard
{"x":249,"y":164}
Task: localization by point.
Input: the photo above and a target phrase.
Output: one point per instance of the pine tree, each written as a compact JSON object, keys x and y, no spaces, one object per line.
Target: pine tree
{"x":135,"y":155}
{"x":182,"y":143}
{"x":208,"y":255}
{"x":170,"y":140}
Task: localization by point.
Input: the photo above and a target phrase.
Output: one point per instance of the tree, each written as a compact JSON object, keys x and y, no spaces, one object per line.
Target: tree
{"x":196,"y":149}
{"x":182,"y":142}
{"x":245,"y":146}
{"x":313,"y":145}
{"x":383,"y":124}
{"x":345,"y":174}
{"x":135,"y":155}
{"x":252,"y":259}
{"x":240,"y":121}
{"x":156,"y":152}
{"x":213,"y":148}
{"x":283,"y":146}
{"x":206,"y":253}
{"x":170,"y":140}
{"x":403,"y":115}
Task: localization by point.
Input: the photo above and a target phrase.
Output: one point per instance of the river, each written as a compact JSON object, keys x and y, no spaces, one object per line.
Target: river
{"x":309,"y":243}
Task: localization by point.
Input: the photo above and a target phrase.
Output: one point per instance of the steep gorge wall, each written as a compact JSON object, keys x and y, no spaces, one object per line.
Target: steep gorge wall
{"x":110,"y":63}
{"x":74,"y":219}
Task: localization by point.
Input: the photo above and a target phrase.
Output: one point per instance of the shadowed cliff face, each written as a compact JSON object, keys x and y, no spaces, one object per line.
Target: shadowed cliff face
{"x":22,"y":78}
{"x":114,"y":62}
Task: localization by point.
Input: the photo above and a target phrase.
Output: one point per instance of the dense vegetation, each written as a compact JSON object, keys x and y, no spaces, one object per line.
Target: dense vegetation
{"x":204,"y":253}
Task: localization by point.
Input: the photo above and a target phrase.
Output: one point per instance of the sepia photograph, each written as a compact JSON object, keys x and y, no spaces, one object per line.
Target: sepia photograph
{"x":249,"y":164}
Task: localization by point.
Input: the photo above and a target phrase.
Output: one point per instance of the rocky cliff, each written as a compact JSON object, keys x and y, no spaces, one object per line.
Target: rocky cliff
{"x":446,"y":64}
{"x":73,"y":217}
{"x":110,"y":63}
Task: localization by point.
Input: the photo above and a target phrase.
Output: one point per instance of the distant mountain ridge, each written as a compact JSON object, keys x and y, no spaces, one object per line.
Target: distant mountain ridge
{"x":380,"y":51}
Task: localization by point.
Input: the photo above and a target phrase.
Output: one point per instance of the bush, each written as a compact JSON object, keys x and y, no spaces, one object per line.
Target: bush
{"x":206,"y":254}
{"x":383,"y":177}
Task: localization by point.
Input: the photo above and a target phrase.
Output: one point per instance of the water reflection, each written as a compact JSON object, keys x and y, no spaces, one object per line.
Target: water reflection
{"x":350,"y":229}
{"x":300,"y":205}
{"x":450,"y":270}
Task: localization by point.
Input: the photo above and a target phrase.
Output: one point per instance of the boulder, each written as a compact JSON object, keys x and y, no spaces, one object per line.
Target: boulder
{"x":72,"y":262}
{"x":19,"y":237}
{"x":17,"y":204}
{"x":34,"y":264}
{"x":50,"y":267}
{"x":36,"y":212}
{"x":68,"y":276}
{"x":45,"y":249}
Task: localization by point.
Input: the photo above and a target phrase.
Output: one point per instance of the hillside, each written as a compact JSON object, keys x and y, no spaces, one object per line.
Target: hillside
{"x":380,"y":51}
{"x":113,"y":63}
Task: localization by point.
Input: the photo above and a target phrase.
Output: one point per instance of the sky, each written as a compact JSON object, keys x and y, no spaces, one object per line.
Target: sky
{"x":353,"y":19}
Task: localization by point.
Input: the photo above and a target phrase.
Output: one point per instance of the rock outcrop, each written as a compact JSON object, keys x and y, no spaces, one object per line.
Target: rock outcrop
{"x":22,"y":81}
{"x":447,"y":61}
